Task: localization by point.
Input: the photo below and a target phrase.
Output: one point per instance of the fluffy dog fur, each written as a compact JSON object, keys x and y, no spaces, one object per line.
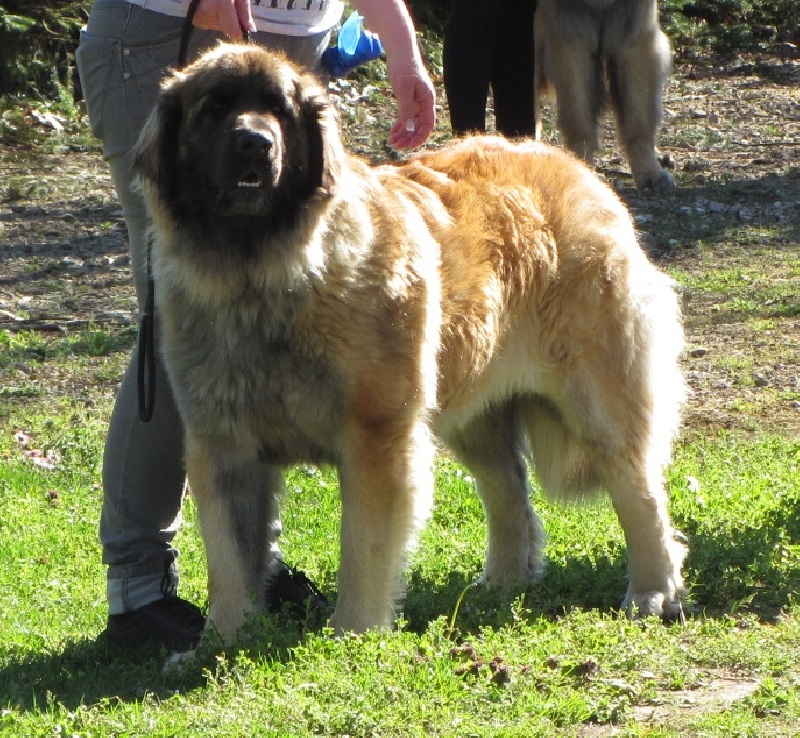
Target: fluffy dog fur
{"x":588,"y":50}
{"x":314,"y":309}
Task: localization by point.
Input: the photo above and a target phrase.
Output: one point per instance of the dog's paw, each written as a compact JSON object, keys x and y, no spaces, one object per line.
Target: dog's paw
{"x":516,"y":558}
{"x":667,"y":606}
{"x":357,"y":620}
{"x":520,"y":575}
{"x":658,"y":180}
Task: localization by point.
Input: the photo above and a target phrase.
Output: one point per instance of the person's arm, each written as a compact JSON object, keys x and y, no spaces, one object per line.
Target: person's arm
{"x":416,"y":98}
{"x":413,"y":89}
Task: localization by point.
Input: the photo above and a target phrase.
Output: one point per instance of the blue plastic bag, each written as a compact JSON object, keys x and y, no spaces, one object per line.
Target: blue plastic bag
{"x":354,"y":45}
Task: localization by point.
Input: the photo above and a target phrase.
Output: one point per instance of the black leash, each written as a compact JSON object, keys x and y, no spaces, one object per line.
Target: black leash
{"x":146,"y":368}
{"x":186,"y":33}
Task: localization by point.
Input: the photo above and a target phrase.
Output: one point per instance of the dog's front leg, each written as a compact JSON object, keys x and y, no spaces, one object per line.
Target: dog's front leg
{"x":237,"y":503}
{"x":386,"y":480}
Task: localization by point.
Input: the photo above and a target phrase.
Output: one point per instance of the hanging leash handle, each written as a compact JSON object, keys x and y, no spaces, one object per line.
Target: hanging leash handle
{"x":147,"y":365}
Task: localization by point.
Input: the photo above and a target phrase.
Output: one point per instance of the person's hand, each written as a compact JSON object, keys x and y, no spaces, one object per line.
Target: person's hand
{"x":416,"y":101}
{"x":232,"y":17}
{"x":413,"y":89}
{"x":416,"y":114}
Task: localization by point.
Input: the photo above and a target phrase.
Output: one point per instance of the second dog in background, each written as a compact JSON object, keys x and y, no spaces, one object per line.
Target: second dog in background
{"x":594,"y":52}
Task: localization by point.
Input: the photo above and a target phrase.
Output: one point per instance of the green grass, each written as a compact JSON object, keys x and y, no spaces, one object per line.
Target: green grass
{"x":546,"y":661}
{"x":555,"y":659}
{"x":34,"y":346}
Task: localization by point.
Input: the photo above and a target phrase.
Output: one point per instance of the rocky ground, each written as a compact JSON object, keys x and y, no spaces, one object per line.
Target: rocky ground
{"x":731,"y":232}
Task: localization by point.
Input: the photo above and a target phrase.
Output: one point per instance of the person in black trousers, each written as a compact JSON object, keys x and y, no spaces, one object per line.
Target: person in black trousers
{"x":489,"y":43}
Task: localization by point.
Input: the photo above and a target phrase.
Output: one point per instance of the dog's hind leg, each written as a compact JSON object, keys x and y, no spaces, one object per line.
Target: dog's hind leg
{"x":625,"y":421}
{"x":637,"y":74}
{"x":616,"y":437}
{"x":568,"y":61}
{"x":386,"y":477}
{"x":237,"y":506}
{"x":655,"y":555}
{"x":492,"y":448}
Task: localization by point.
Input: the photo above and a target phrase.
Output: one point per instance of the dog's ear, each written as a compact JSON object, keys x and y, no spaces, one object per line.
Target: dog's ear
{"x":325,"y":151}
{"x":156,"y":152}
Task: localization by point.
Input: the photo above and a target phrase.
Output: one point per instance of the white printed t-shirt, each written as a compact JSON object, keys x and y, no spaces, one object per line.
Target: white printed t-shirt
{"x":286,"y":17}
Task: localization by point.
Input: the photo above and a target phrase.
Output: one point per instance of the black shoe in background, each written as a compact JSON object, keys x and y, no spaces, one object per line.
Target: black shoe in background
{"x":291,"y":589}
{"x":171,"y":622}
{"x":178,"y":624}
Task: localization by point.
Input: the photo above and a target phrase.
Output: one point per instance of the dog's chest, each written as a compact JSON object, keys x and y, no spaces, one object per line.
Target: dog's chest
{"x":251,"y":378}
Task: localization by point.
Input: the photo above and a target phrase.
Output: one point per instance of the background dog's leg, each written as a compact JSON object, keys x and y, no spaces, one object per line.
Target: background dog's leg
{"x":577,"y":76}
{"x":637,"y":74}
{"x":491,"y":446}
{"x":237,"y":504}
{"x":540,"y":86}
{"x":387,"y":488}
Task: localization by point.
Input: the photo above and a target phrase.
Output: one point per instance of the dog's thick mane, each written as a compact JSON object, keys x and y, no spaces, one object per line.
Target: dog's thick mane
{"x":314,"y":157}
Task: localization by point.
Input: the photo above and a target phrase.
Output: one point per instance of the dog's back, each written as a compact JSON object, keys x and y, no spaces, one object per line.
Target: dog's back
{"x":542,"y":274}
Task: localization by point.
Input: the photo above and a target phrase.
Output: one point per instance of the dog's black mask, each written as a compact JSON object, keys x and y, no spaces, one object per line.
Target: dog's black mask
{"x":240,"y":146}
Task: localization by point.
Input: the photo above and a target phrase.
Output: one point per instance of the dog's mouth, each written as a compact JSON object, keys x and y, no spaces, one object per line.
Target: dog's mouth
{"x":251,"y":180}
{"x":247,"y":191}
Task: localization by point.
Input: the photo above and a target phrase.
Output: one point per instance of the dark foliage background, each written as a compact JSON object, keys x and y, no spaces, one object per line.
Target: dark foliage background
{"x":37,"y":41}
{"x":37,"y":47}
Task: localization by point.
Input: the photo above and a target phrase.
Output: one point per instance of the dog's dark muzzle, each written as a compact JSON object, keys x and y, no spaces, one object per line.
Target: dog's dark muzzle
{"x":251,"y":150}
{"x":250,"y":169}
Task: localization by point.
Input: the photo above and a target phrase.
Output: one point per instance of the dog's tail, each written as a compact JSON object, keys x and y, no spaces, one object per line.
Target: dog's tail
{"x":647,"y":413}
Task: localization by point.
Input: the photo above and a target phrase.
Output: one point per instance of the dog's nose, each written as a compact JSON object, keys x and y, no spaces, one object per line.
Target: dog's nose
{"x":249,"y":141}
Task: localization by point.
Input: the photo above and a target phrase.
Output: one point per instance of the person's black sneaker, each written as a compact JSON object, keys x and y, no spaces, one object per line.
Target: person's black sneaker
{"x":171,"y":622}
{"x":291,"y":589}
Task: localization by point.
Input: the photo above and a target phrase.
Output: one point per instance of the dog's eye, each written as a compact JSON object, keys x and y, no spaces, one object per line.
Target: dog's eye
{"x":216,"y":103}
{"x":274,"y":103}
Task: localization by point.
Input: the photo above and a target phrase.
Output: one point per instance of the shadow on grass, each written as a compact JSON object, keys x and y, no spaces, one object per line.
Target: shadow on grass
{"x":90,"y":672}
{"x":740,"y":205}
{"x":733,"y":569}
{"x":748,"y":569}
{"x":83,"y":672}
{"x":575,"y":583}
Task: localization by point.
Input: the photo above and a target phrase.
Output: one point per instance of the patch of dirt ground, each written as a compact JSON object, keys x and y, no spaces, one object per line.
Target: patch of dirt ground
{"x":715,"y":691}
{"x":731,"y":231}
